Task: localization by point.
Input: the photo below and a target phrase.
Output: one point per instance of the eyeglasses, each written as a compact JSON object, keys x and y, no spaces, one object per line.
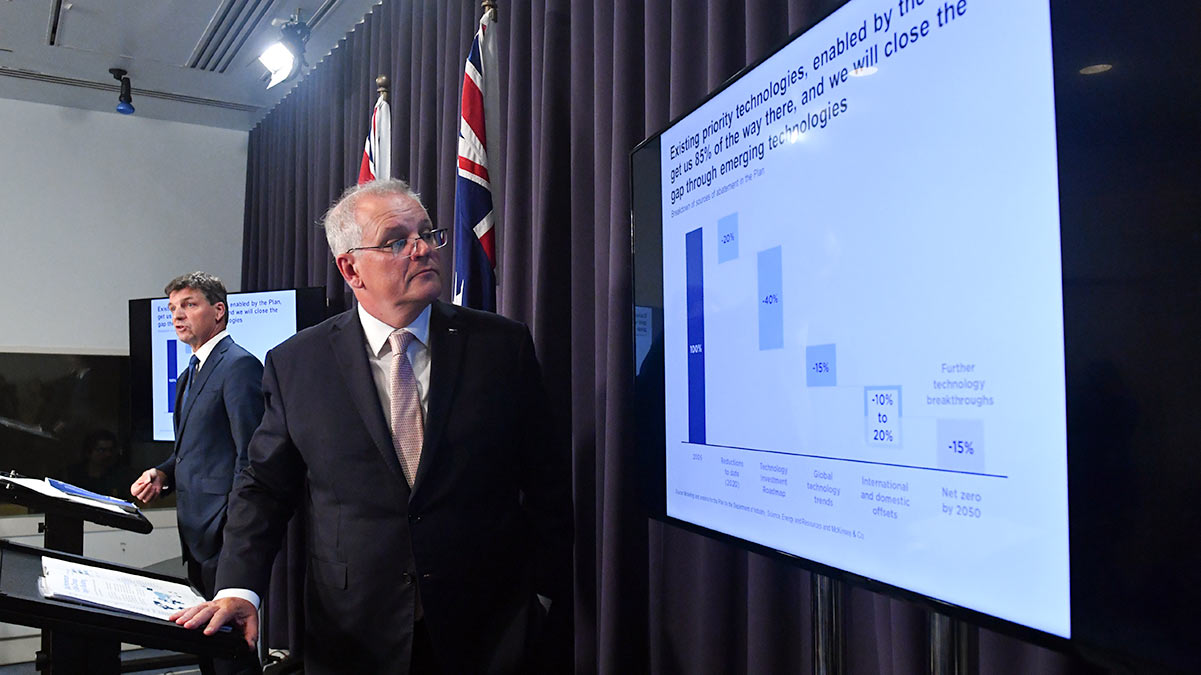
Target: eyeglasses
{"x":405,"y":248}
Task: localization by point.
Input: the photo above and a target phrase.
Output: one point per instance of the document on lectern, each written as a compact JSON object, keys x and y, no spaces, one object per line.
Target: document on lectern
{"x":56,"y":488}
{"x":101,"y":587}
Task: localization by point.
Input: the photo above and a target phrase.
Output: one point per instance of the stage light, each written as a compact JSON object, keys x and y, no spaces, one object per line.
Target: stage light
{"x":282,"y":58}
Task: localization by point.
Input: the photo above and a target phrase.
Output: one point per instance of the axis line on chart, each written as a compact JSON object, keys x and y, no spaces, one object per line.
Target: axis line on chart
{"x":846,"y":459}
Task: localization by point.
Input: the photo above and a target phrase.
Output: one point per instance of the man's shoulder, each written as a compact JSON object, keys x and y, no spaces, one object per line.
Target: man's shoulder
{"x":476,"y":320}
{"x":444,"y":316}
{"x":240,"y":366}
{"x":236,"y":351}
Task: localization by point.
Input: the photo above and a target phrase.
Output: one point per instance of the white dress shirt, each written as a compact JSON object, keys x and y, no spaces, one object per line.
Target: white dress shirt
{"x":379,"y":358}
{"x":207,"y":348}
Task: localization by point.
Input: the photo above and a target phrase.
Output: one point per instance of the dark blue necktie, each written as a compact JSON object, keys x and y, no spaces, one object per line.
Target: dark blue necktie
{"x":193,"y":367}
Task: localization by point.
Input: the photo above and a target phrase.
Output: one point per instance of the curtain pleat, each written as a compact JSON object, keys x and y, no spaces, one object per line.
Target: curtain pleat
{"x":581,"y":83}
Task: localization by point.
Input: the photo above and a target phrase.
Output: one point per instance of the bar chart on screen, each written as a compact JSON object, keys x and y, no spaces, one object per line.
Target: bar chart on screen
{"x":741,"y":365}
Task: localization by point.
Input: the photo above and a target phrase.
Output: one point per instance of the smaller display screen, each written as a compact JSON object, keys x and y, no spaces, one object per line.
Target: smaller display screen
{"x":258,"y":322}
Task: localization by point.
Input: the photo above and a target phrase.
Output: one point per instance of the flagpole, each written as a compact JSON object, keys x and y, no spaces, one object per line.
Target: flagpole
{"x":489,"y":6}
{"x":377,"y":150}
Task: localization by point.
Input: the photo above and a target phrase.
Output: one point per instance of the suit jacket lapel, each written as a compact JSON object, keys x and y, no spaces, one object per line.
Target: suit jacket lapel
{"x":349,"y":347}
{"x":447,"y":341}
{"x":206,"y":371}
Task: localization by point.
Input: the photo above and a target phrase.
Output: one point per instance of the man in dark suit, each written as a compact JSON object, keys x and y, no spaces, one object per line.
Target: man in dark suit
{"x":218,"y":405}
{"x":438,"y":502}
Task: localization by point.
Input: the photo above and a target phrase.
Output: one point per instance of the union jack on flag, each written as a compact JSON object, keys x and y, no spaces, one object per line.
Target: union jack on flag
{"x":475,"y":244}
{"x":377,"y":152}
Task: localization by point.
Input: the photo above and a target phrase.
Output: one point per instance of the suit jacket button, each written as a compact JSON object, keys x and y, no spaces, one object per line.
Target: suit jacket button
{"x":407,"y":578}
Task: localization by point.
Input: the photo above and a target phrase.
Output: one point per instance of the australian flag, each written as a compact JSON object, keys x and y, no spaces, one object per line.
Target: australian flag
{"x":377,"y":151}
{"x":475,"y":238}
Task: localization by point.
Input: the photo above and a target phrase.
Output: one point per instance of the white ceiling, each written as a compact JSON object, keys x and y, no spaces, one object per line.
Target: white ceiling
{"x":192,"y":61}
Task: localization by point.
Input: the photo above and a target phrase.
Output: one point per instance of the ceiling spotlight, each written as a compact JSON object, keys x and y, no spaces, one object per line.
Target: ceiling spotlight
{"x":1095,"y":69}
{"x":283,"y":57}
{"x":124,"y":99}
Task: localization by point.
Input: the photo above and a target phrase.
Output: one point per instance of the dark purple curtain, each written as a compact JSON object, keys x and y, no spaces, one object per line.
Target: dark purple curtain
{"x":581,"y":84}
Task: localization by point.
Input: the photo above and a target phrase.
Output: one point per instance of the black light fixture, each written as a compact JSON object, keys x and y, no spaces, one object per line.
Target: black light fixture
{"x":124,"y":100}
{"x":284,"y":57}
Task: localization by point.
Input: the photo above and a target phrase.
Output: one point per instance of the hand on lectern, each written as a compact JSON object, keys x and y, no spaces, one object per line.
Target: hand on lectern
{"x":148,"y":486}
{"x":220,"y":612}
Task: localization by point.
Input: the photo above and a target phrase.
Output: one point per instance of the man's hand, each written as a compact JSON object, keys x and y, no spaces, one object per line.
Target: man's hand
{"x":222,"y":611}
{"x":148,"y":486}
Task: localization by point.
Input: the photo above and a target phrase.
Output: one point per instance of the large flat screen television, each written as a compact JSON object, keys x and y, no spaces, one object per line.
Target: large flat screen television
{"x":258,"y":321}
{"x":915,"y":305}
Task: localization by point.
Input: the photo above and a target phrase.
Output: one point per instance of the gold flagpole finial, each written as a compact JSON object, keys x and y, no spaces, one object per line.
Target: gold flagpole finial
{"x":489,"y":6}
{"x":381,"y":84}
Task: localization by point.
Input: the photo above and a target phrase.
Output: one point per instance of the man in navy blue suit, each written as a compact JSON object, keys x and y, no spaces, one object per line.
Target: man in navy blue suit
{"x":218,"y":405}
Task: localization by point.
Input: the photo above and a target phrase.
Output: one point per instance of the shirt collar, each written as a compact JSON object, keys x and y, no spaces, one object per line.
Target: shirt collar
{"x":377,"y":332}
{"x":208,"y":347}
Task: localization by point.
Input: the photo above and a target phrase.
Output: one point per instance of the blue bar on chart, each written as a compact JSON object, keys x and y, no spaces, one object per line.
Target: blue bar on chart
{"x":727,"y":238}
{"x":882,"y":415}
{"x":821,"y":366}
{"x":172,"y":374}
{"x":695,"y":291}
{"x":771,"y":298}
{"x":961,"y":445}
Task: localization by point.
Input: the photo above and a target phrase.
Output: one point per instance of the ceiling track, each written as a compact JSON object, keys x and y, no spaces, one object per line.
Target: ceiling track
{"x":321,"y":13}
{"x":250,"y":23}
{"x":56,"y":14}
{"x":88,"y":84}
{"x":232,"y":24}
{"x":211,"y":35}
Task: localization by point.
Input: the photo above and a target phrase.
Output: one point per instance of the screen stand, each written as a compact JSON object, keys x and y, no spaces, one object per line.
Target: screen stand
{"x":829,"y":636}
{"x":954,"y":646}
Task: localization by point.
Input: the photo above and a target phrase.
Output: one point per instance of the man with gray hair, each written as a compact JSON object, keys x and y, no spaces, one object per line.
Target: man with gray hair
{"x":416,"y":437}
